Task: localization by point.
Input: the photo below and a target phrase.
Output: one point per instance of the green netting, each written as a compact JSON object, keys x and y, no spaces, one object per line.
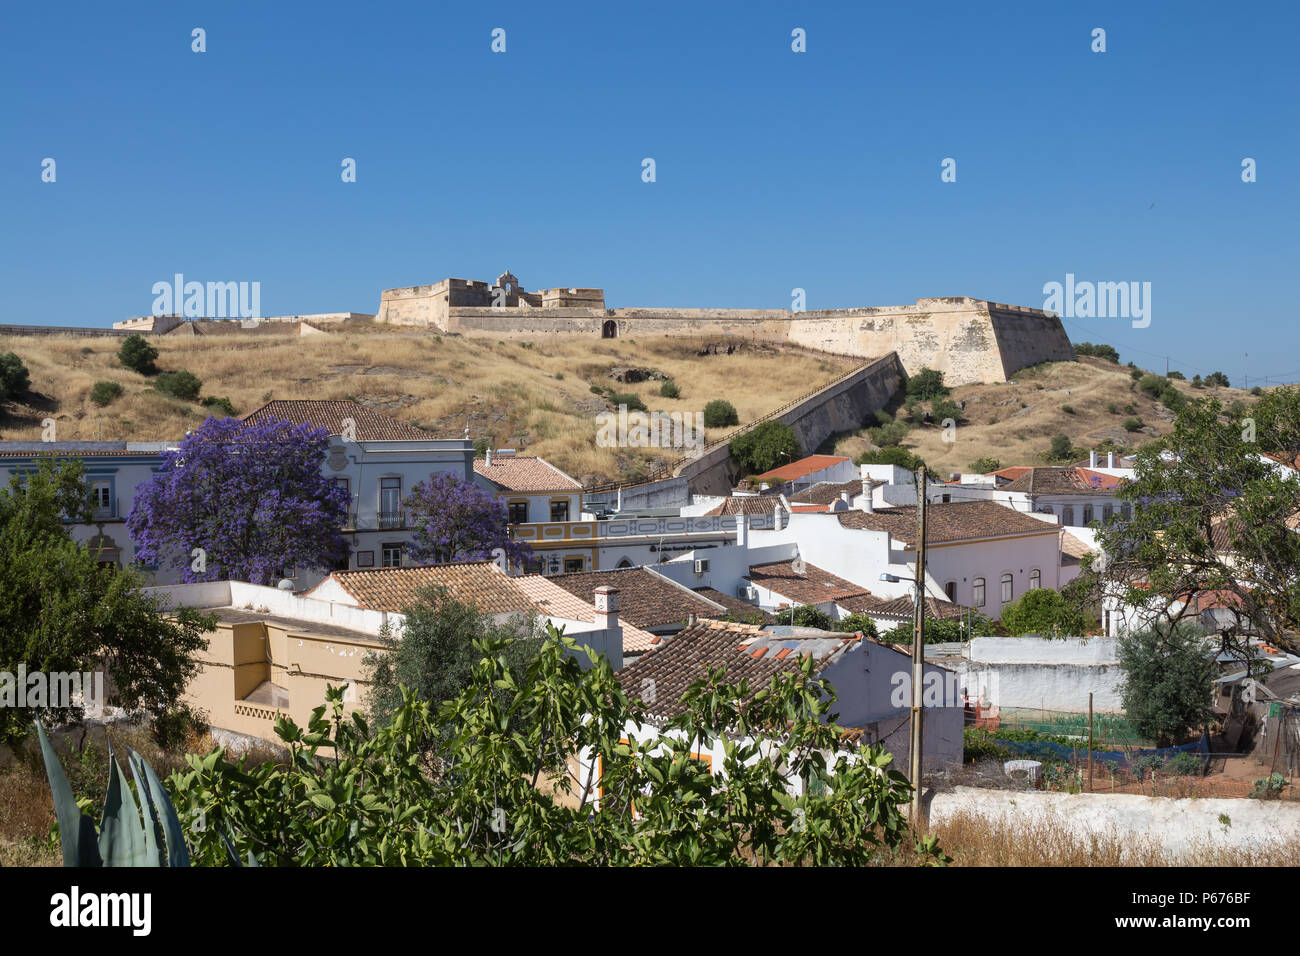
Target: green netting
{"x":1111,"y":729}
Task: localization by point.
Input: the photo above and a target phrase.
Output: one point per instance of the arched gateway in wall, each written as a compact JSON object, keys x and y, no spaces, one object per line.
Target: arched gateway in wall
{"x":609,"y":330}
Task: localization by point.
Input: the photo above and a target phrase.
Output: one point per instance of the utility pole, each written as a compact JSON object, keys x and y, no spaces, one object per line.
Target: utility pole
{"x":1090,"y":742}
{"x":918,"y":649}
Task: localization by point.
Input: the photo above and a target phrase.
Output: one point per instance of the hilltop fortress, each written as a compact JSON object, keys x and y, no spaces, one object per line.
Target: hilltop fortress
{"x":969,"y":340}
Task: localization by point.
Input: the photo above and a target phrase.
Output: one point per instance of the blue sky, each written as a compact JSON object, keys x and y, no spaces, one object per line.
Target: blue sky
{"x":775,"y":170}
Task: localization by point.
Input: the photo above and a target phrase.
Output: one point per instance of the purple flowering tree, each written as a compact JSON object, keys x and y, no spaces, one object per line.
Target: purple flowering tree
{"x":241,"y":502}
{"x":456,"y":520}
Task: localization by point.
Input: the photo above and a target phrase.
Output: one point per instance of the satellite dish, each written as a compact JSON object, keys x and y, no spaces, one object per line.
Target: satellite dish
{"x":285,"y":584}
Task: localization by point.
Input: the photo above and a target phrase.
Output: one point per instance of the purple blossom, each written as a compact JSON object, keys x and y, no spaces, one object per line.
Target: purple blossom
{"x":458,"y":521}
{"x":252,"y":498}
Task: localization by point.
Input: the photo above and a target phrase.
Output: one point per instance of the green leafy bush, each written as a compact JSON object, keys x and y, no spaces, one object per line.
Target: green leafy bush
{"x":14,"y":378}
{"x":1153,"y":385}
{"x":763,"y":448}
{"x":1270,"y":787}
{"x":943,"y":410}
{"x":1068,"y":409}
{"x":1178,"y":375}
{"x":892,"y":455}
{"x":137,"y":354}
{"x":890,"y":434}
{"x":1100,"y":351}
{"x":669,"y":389}
{"x":857,"y":622}
{"x":720,"y":413}
{"x":1217,"y":379}
{"x":927,"y":384}
{"x":218,"y":403}
{"x":1132,"y":424}
{"x":983,"y":466}
{"x":102,"y":393}
{"x":1061,"y":449}
{"x":185,"y":385}
{"x":632,"y":401}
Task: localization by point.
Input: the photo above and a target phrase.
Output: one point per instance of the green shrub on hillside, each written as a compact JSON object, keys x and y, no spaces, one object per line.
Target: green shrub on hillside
{"x":104,"y":392}
{"x":720,"y":413}
{"x":184,"y":385}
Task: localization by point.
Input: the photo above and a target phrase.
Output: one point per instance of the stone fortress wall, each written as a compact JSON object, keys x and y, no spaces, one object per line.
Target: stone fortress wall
{"x":969,"y":340}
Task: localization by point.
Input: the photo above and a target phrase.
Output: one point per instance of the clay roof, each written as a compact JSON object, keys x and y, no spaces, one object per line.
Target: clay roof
{"x":645,"y":599}
{"x":369,"y":424}
{"x":1011,"y":473}
{"x":949,"y":521}
{"x":524,"y":473}
{"x":828,"y":492}
{"x":480,"y":583}
{"x":746,"y":505}
{"x":809,"y":585}
{"x":735,"y":605}
{"x":1073,"y":546}
{"x":800,"y":468}
{"x":901,"y":607}
{"x":554,"y":601}
{"x":1069,"y":481}
{"x":745,"y":651}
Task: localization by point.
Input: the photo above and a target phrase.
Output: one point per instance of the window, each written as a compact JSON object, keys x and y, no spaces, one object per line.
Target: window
{"x":1125,"y":510}
{"x":977,"y":592}
{"x":1006,"y":588}
{"x":625,"y":563}
{"x":391,"y":555}
{"x":1106,"y":512}
{"x":572,"y":565}
{"x":103,"y":497}
{"x":1035,"y":579}
{"x":1067,"y":514}
{"x":950,"y":589}
{"x":344,"y":484}
{"x":518,"y":511}
{"x":1087,"y":514}
{"x":390,"y":504}
{"x":560,"y":509}
{"x":946,"y":499}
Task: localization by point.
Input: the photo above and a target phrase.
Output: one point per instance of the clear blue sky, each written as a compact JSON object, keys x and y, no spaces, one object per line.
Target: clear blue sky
{"x":774,"y":169}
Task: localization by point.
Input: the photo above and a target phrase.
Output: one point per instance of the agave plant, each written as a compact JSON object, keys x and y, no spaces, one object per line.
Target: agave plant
{"x":130,"y":834}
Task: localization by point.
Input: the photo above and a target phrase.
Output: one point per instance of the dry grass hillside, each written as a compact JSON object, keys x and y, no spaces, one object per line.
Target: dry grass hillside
{"x":1014,"y":422}
{"x":532,"y":394}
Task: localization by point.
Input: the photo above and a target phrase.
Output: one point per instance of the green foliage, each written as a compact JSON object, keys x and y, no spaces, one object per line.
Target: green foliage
{"x":1185,"y":765}
{"x":979,"y":745}
{"x":219,"y":403}
{"x":1178,"y":375}
{"x":1133,"y":424}
{"x":1130,"y":410}
{"x":1043,"y":612}
{"x":105,"y":392}
{"x":948,"y":630}
{"x":670,"y":389}
{"x":1256,"y":390}
{"x":925,"y":385}
{"x":1168,"y":681}
{"x":983,"y":466}
{"x":891,"y":455}
{"x":14,"y":378}
{"x":1270,"y":787}
{"x":491,"y":794}
{"x":1068,"y":409}
{"x":137,"y":354}
{"x":720,"y":413}
{"x":1100,"y":351}
{"x":1172,"y":399}
{"x":1153,"y":385}
{"x":1112,"y":408}
{"x":945,"y":409}
{"x":61,"y":612}
{"x":1196,"y":382}
{"x":1135,"y":373}
{"x":1061,"y":449}
{"x":889,"y":434}
{"x":1217,"y":379}
{"x":183,"y":385}
{"x":630,"y":399}
{"x":131,"y":834}
{"x":765,"y":447}
{"x":857,"y":622}
{"x":805,"y":615}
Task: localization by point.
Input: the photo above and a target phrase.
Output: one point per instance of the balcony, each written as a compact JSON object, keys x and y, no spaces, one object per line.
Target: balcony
{"x":390,"y":520}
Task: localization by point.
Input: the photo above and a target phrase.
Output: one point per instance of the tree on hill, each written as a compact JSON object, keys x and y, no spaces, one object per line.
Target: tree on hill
{"x":137,"y":354}
{"x":891,"y":455}
{"x":1211,"y":513}
{"x":768,"y":446}
{"x":925,"y":385}
{"x":14,"y":377}
{"x":456,"y":520}
{"x":242,"y":502}
{"x":61,"y":612}
{"x":983,"y":466}
{"x":1099,"y":351}
{"x":720,"y":413}
{"x":1217,"y":378}
{"x":1061,"y":449}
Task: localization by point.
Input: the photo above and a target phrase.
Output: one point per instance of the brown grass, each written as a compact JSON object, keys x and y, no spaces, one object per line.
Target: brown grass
{"x":972,"y":839}
{"x":529,"y":393}
{"x":1014,"y":423}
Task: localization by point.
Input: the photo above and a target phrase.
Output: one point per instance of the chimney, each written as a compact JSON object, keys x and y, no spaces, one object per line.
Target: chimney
{"x":618,"y":502}
{"x":1092,"y":459}
{"x":1110,"y":459}
{"x":606,"y":606}
{"x":690,"y":620}
{"x":862,"y":473}
{"x":489,"y":454}
{"x":844,"y":497}
{"x":868,"y":505}
{"x":776,"y":518}
{"x":742,"y":530}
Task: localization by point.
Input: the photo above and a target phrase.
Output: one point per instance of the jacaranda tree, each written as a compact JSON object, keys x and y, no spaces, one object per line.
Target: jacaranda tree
{"x":242,"y":502}
{"x":456,"y":520}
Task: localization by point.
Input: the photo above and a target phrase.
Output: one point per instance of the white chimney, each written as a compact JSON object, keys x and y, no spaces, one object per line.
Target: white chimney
{"x":776,"y":518}
{"x":742,"y":530}
{"x":618,"y":502}
{"x":489,"y":456}
{"x":868,"y":505}
{"x":606,"y":606}
{"x":690,"y":620}
{"x":844,"y":497}
{"x":1092,"y":459}
{"x":863,"y":474}
{"x":1110,"y":459}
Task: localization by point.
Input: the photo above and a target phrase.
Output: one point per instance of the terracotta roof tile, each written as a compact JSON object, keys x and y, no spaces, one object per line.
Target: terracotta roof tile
{"x":902,"y":607}
{"x":480,"y":583}
{"x":746,"y":505}
{"x":1064,"y":481}
{"x":554,"y":601}
{"x":800,"y":468}
{"x":950,"y":521}
{"x":369,"y":424}
{"x":736,"y":606}
{"x":646,"y":599}
{"x":524,"y":473}
{"x":810,"y":585}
